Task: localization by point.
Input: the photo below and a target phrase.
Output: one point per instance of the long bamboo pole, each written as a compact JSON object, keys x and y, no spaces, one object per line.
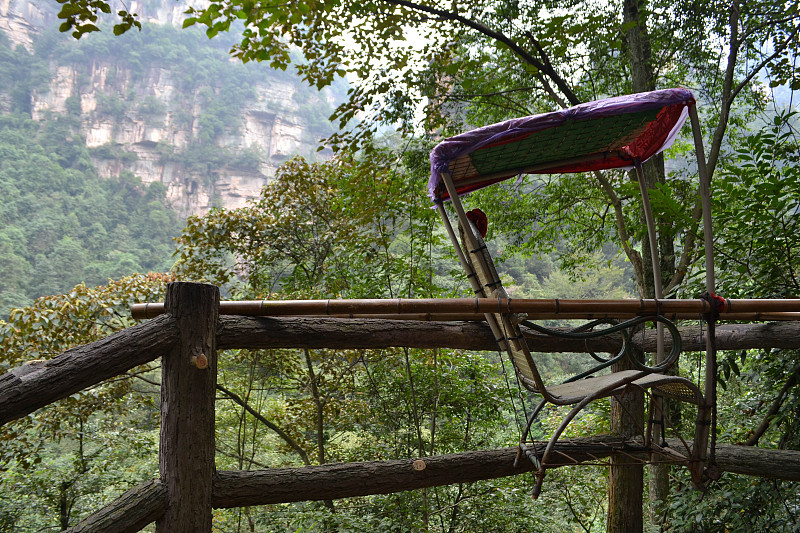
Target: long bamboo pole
{"x":658,"y":291}
{"x":756,"y":309}
{"x":708,"y":239}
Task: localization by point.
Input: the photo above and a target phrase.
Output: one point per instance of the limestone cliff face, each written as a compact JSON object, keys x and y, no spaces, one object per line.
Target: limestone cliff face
{"x":21,"y":20}
{"x":147,"y":120}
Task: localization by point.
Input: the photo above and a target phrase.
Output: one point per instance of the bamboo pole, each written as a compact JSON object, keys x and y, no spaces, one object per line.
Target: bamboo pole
{"x":756,"y":309}
{"x":658,"y":291}
{"x":444,"y":317}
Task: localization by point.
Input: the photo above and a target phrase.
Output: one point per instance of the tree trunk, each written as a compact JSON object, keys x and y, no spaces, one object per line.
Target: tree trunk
{"x":642,"y":79}
{"x":625,"y":480}
{"x":319,"y":418}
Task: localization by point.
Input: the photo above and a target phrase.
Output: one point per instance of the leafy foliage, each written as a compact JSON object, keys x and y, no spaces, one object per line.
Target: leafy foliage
{"x":736,"y":503}
{"x":73,"y":456}
{"x":472,"y":63}
{"x":351,"y":227}
{"x":62,"y":224}
{"x":23,"y":72}
{"x":756,"y":250}
{"x":757,"y":213}
{"x":326,"y":229}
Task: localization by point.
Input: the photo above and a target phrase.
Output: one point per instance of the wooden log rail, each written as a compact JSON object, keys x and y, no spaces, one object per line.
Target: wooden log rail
{"x":25,"y":389}
{"x":146,"y":502}
{"x":189,"y":333}
{"x":33,"y":386}
{"x":323,"y":332}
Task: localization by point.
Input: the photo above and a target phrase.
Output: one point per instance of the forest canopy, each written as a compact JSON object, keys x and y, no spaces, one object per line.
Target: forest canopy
{"x":62,"y":225}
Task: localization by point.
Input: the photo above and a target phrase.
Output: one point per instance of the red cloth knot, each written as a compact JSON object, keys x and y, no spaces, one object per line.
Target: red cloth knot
{"x":478,"y":217}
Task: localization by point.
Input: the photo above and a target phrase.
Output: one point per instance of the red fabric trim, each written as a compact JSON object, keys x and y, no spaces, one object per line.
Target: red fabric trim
{"x":651,"y":140}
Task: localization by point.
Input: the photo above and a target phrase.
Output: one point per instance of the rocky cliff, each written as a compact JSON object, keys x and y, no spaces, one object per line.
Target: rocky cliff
{"x":169,"y":105}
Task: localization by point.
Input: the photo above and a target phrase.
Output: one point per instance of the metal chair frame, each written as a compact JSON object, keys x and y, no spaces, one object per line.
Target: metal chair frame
{"x":581,"y":390}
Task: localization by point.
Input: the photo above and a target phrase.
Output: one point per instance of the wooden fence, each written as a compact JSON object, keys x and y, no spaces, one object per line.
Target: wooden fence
{"x":187,"y":337}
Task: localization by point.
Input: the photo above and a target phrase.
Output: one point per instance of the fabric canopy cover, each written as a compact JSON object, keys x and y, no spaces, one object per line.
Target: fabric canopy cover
{"x":611,"y":133}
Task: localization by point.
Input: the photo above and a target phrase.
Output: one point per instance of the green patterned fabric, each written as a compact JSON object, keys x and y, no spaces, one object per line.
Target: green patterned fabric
{"x":585,"y":137}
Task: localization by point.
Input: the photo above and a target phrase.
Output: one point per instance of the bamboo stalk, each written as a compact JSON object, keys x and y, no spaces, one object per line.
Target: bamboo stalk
{"x":475,"y":317}
{"x":786,"y":309}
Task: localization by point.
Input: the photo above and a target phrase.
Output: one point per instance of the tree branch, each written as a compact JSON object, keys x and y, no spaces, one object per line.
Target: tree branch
{"x":688,"y":248}
{"x":634,"y":256}
{"x":282,"y":434}
{"x":729,"y":91}
{"x":500,"y":37}
{"x":774,"y":408}
{"x":761,"y":65}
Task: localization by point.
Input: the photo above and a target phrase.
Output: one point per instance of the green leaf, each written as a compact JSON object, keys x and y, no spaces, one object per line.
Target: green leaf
{"x":88,"y":28}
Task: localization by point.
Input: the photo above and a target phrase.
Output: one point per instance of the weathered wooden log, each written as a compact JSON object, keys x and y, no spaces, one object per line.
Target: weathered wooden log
{"x":132,"y":511}
{"x":147,"y":502}
{"x":32,"y":386}
{"x":323,"y":332}
{"x":188,"y":387}
{"x":758,"y":462}
{"x":343,"y":333}
{"x":342,"y":480}
{"x":333,"y":481}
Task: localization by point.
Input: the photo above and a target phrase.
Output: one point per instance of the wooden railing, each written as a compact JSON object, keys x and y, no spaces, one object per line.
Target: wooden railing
{"x":187,"y":335}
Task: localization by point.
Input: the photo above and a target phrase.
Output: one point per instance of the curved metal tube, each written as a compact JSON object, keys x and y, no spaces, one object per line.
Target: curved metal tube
{"x":668,"y":361}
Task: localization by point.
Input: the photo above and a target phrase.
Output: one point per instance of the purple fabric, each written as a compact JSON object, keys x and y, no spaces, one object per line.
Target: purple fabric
{"x":467,"y":142}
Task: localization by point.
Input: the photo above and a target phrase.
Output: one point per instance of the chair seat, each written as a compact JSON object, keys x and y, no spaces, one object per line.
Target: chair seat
{"x":671,"y":386}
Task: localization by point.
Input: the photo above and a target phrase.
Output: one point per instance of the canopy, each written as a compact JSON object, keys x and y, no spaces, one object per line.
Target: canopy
{"x":611,"y":133}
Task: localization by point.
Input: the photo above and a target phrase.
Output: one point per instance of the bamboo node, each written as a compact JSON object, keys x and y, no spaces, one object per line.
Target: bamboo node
{"x":419,"y":465}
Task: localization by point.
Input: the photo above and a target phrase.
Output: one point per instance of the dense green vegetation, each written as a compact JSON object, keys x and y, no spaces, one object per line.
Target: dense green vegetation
{"x":61,"y":224}
{"x":361,"y":226}
{"x":353,"y":227}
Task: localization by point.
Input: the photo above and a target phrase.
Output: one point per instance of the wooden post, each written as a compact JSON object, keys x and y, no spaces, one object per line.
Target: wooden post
{"x":188,"y":381}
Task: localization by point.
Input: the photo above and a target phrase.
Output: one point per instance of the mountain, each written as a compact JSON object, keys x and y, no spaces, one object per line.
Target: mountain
{"x":168,"y":105}
{"x":108,"y":143}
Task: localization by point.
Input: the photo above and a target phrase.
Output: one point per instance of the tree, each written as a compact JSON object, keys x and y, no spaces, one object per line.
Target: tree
{"x":465,"y":60}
